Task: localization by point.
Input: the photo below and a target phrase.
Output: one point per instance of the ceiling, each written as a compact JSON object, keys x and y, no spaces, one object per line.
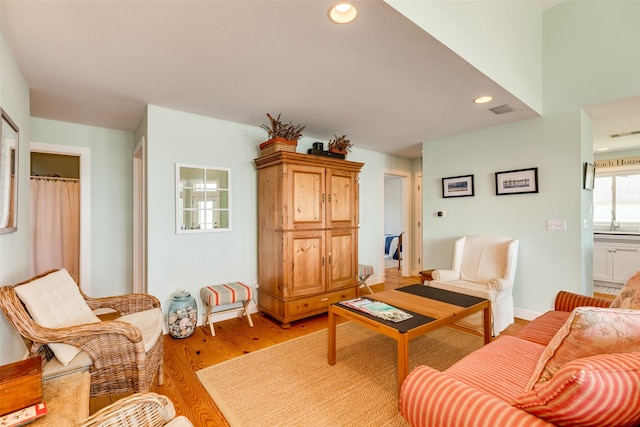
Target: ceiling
{"x":616,"y":124}
{"x":381,"y":80}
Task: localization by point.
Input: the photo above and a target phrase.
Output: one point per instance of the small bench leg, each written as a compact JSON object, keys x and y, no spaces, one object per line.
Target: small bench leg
{"x":364,"y":282}
{"x":210,"y":321}
{"x":246,"y":311}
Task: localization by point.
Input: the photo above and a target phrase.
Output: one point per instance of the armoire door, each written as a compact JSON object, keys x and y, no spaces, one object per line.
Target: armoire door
{"x":342,"y":258}
{"x":342,"y":198}
{"x":305,"y":194}
{"x":304,"y":257}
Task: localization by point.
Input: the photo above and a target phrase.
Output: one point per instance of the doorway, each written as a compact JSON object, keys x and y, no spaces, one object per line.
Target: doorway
{"x":396,"y":222}
{"x":139,"y":219}
{"x":54,"y":157}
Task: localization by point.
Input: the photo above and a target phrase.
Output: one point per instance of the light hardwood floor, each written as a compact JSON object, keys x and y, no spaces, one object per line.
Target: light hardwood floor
{"x":182,"y":358}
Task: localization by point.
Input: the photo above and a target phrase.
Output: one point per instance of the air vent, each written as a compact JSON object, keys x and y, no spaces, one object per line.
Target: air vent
{"x":618,"y":135}
{"x":502,"y":109}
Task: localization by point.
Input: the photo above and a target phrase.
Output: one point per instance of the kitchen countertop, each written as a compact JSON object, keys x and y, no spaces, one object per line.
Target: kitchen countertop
{"x":616,"y":237}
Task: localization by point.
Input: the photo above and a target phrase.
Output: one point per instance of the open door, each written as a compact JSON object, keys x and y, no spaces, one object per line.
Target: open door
{"x":396,"y":218}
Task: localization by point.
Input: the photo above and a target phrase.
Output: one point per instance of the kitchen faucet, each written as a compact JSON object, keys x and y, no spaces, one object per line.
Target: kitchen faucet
{"x":613,"y":225}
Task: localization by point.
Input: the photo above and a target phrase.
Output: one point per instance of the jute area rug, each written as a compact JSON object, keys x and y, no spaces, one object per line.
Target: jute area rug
{"x":291,"y":384}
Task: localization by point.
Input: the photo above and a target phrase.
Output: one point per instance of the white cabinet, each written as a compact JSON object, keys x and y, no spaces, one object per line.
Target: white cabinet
{"x":615,"y":262}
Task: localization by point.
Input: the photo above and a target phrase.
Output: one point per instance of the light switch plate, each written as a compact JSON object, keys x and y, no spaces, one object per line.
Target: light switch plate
{"x":557,"y":224}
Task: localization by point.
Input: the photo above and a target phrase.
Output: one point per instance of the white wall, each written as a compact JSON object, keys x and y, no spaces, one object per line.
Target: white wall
{"x":190,"y":261}
{"x":577,"y":70}
{"x":14,"y":247}
{"x":393,"y":205}
{"x":502,"y":39}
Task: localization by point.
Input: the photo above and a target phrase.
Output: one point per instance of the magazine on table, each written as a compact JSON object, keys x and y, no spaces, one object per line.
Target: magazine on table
{"x":378,"y":309}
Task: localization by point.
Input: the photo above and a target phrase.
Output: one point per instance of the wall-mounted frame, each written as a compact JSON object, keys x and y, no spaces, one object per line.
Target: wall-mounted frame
{"x":457,"y":186}
{"x":8,"y":174}
{"x":203,"y":199}
{"x":517,"y":181}
{"x":589,"y":176}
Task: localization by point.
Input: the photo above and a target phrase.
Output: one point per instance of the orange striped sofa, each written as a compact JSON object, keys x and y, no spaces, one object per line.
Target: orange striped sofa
{"x":578,"y":365}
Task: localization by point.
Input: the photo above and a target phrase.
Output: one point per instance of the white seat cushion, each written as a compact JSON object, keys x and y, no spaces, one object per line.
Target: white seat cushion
{"x":479,"y":290}
{"x":148,"y":322}
{"x":54,"y":301}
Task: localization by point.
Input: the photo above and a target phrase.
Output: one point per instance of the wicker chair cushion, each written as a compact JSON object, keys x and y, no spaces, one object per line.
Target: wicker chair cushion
{"x":54,"y":301}
{"x":149,"y":323}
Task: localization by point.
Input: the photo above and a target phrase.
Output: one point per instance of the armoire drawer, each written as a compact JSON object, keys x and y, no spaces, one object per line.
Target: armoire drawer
{"x":318,"y":303}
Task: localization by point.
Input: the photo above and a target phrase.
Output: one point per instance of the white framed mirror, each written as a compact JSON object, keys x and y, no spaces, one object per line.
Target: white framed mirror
{"x":203,"y":199}
{"x":8,"y":175}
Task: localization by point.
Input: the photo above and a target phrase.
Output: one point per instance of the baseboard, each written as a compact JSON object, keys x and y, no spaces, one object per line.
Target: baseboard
{"x":521,"y":313}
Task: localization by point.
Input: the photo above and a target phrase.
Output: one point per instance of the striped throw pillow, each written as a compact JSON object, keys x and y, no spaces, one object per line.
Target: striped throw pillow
{"x":587,"y":332}
{"x":602,"y":390}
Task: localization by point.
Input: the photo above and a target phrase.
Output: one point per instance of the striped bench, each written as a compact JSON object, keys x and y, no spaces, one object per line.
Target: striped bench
{"x":364,"y":272}
{"x":226,"y":294}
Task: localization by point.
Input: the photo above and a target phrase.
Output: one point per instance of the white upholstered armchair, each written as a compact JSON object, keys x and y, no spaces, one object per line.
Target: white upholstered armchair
{"x":485,"y":267}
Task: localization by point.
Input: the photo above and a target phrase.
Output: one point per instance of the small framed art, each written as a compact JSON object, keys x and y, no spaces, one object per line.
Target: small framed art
{"x":457,"y":186}
{"x":517,"y":181}
{"x":589,"y":176}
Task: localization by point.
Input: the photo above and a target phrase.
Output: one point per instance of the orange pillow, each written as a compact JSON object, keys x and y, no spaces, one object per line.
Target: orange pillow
{"x":588,"y":331}
{"x":601,"y":391}
{"x":629,"y":295}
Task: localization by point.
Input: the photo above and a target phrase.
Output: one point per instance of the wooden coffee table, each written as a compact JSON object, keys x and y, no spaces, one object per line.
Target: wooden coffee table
{"x":431,"y":308}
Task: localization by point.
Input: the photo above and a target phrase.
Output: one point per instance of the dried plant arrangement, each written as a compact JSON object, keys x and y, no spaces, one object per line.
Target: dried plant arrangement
{"x":283,"y":130}
{"x":340,"y":143}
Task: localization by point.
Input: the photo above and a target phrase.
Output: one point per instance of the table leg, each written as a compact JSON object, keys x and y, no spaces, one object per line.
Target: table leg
{"x":487,"y":323}
{"x":331,"y":353}
{"x":403,"y":359}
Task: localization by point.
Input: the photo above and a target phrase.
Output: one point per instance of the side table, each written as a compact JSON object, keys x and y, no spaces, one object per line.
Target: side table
{"x":67,"y":399}
{"x":425,"y":275}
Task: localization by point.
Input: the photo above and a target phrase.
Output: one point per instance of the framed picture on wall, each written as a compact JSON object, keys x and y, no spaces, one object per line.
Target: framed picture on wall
{"x":589,"y":176}
{"x":8,"y":174}
{"x":457,"y":186}
{"x":517,"y":181}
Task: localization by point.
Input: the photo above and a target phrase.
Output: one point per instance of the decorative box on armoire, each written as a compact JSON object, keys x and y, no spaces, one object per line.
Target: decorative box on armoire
{"x":307,"y":234}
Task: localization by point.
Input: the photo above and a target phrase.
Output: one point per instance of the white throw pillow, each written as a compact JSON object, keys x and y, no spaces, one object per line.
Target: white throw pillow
{"x":54,"y":301}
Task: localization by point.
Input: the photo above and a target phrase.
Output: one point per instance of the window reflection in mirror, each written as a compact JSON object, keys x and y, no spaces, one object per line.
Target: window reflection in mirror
{"x":203,"y":199}
{"x":8,"y":174}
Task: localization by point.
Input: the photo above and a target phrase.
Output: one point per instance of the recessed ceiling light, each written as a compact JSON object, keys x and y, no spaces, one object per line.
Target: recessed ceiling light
{"x":482,"y":99}
{"x":343,"y":13}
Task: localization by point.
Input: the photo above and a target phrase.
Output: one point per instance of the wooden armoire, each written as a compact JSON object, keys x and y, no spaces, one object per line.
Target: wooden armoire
{"x":307,"y":234}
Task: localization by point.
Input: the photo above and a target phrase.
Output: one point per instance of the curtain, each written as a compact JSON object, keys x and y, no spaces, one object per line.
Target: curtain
{"x":55,"y":225}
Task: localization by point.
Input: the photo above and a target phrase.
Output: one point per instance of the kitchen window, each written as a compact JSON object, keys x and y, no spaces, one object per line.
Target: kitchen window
{"x":616,"y":200}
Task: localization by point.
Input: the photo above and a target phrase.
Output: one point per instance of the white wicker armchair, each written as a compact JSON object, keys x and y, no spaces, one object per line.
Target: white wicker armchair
{"x":138,"y":410}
